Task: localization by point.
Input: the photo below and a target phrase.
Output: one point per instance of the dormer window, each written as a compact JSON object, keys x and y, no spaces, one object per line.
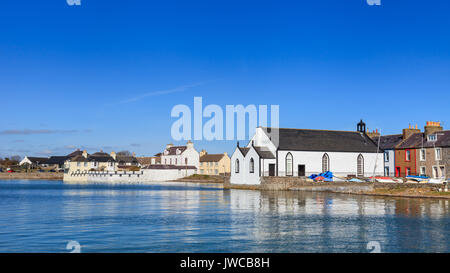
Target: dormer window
{"x":432,"y":138}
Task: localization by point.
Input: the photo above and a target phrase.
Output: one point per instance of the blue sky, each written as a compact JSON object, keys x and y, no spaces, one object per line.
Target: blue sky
{"x":80,"y":76}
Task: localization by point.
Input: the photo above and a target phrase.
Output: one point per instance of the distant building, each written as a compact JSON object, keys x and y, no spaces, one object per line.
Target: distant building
{"x":99,"y":161}
{"x":33,"y":162}
{"x":214,"y":164}
{"x":181,"y":155}
{"x":149,"y":160}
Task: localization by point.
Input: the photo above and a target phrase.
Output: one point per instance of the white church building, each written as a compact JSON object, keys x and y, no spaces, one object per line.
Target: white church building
{"x":302,"y":152}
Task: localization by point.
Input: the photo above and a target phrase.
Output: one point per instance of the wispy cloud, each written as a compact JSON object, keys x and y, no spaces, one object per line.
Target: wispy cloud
{"x":38,"y":132}
{"x":161,"y":92}
{"x":135,"y":145}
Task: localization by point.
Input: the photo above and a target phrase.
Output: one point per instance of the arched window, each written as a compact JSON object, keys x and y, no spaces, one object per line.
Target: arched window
{"x":252,"y":165}
{"x":325,"y":163}
{"x":360,"y":166}
{"x":289,"y":169}
{"x":236,"y":167}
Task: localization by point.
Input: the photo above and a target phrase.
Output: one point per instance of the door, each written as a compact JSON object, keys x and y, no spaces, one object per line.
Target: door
{"x":397,"y":172}
{"x":271,"y":169}
{"x":301,"y":170}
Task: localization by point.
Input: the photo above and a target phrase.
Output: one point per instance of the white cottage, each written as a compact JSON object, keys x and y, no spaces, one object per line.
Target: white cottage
{"x":181,"y":155}
{"x":302,"y":152}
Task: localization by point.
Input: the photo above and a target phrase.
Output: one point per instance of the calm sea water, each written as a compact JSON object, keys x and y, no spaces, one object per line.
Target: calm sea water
{"x":43,"y":216}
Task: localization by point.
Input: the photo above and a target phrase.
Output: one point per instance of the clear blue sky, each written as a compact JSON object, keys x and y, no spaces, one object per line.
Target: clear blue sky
{"x":76,"y":76}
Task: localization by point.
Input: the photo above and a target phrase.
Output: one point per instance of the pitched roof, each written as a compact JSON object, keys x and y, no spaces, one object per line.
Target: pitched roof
{"x":100,"y":157}
{"x":77,"y":152}
{"x":419,"y":139}
{"x":211,"y":157}
{"x":173,"y":150}
{"x":37,"y":160}
{"x":324,"y":140}
{"x":145,"y":160}
{"x":266,"y":154}
{"x":79,"y":158}
{"x":415,"y":140}
{"x":244,"y":150}
{"x":56,"y":160}
{"x":389,"y":142}
{"x":126,"y":159}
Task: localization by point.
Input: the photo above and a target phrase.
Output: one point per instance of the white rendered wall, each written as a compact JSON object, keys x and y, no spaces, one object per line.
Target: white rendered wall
{"x":341,"y":163}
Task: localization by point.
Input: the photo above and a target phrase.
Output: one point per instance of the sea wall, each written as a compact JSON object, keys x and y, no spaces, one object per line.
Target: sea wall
{"x":274,"y":183}
{"x":31,"y":176}
{"x":145,"y":175}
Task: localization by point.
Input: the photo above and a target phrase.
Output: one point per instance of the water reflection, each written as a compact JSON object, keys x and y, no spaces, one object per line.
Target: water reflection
{"x":321,"y":222}
{"x":43,"y":216}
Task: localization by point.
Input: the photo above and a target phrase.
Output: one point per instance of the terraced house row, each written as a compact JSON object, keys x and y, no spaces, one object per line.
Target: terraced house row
{"x":415,"y":152}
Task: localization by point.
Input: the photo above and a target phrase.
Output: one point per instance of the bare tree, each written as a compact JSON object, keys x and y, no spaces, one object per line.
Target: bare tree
{"x":124,"y":153}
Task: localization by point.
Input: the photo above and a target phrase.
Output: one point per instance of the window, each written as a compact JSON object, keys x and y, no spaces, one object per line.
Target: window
{"x":386,"y":156}
{"x":360,"y":166}
{"x":438,"y":154}
{"x":252,"y":165}
{"x":386,"y":171}
{"x":236,"y":167}
{"x":408,"y":171}
{"x":217,"y":172}
{"x":176,"y":161}
{"x":186,"y":161}
{"x":78,"y":164}
{"x":423,"y":170}
{"x":408,"y":155}
{"x":422,"y":154}
{"x":217,"y":163}
{"x":289,"y":168}
{"x":325,"y":163}
{"x":432,"y":138}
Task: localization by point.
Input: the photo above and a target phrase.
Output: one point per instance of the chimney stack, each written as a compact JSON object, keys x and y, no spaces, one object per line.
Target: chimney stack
{"x":85,"y":154}
{"x":410,"y":131}
{"x":432,"y":127}
{"x":203,"y":152}
{"x":113,"y":155}
{"x":373,"y":134}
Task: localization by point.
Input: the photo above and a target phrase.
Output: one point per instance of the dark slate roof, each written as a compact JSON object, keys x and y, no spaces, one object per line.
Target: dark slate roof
{"x":79,"y":158}
{"x":36,"y":160}
{"x":415,"y":140}
{"x":211,"y":157}
{"x":169,"y":167}
{"x":100,"y":157}
{"x":173,"y":150}
{"x":324,"y":140}
{"x":77,"y":152}
{"x":126,"y":159}
{"x":243,"y":150}
{"x":389,"y":142}
{"x":264,"y":153}
{"x":56,"y":160}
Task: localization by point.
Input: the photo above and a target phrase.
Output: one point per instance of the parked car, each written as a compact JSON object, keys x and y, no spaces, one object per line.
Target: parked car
{"x":11,"y":171}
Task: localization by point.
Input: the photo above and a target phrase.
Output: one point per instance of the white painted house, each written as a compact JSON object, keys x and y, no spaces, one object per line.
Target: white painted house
{"x":302,"y":152}
{"x":181,"y":155}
